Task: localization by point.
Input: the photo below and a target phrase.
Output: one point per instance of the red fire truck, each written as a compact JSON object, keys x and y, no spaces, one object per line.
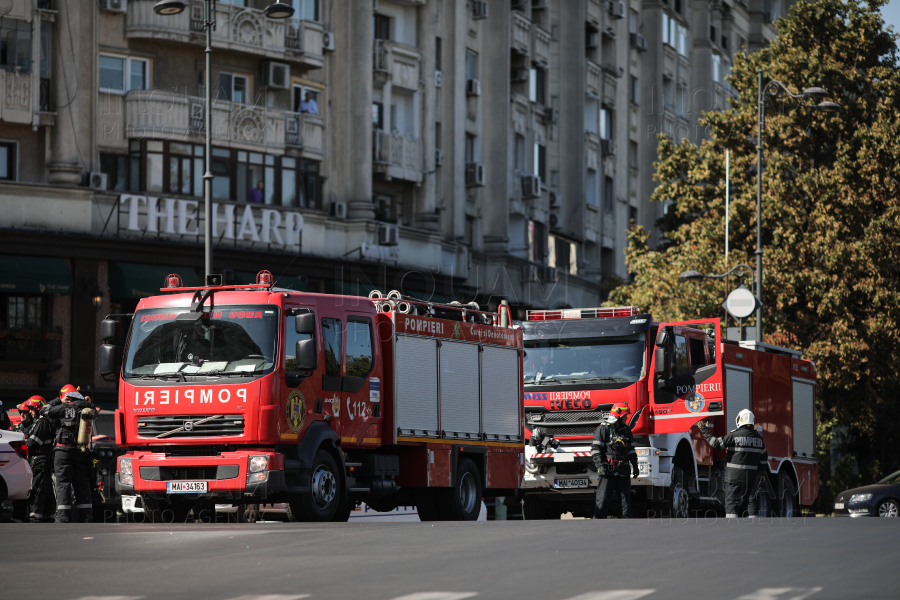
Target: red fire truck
{"x":580,"y":362}
{"x":255,"y":394}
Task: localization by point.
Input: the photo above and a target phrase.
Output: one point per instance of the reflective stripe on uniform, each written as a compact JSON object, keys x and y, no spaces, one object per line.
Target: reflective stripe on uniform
{"x":757,"y":450}
{"x":36,"y":515}
{"x":64,"y":507}
{"x":731,"y":516}
{"x":737,"y":466}
{"x":85,"y":506}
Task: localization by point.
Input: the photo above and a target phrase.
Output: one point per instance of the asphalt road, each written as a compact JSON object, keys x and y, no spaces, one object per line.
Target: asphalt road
{"x":767,"y":559}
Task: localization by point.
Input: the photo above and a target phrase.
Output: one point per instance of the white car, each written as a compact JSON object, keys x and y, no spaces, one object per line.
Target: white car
{"x":15,"y":472}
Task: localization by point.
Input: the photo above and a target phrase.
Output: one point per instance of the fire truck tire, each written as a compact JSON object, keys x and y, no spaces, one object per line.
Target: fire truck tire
{"x":788,"y":503}
{"x":342,"y":514}
{"x":462,"y":502}
{"x":678,"y":498}
{"x":321,"y":502}
{"x":535,"y":509}
{"x":427,"y":504}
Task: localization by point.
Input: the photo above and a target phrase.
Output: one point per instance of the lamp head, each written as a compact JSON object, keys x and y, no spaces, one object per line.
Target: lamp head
{"x":828,"y":106}
{"x":691,"y":276}
{"x":815,"y":93}
{"x":168,"y":7}
{"x":279,"y":10}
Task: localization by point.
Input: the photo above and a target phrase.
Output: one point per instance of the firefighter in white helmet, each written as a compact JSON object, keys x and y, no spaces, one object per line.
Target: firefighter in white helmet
{"x":746,"y":456}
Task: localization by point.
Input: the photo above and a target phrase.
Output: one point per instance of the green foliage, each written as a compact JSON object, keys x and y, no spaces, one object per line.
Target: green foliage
{"x":831,"y":213}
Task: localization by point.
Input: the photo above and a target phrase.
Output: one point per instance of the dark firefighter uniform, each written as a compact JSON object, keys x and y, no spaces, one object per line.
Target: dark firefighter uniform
{"x":746,"y":454}
{"x":69,"y":461}
{"x":613,"y":454}
{"x":40,"y":455}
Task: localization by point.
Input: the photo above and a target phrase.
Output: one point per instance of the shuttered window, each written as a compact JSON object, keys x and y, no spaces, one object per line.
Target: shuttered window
{"x":501,"y":392}
{"x":416,"y":385}
{"x":804,"y":423}
{"x":459,"y":388}
{"x":737,"y":394}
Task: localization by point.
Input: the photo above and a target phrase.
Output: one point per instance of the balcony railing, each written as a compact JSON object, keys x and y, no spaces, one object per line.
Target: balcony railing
{"x":237,"y":28}
{"x":397,"y":156}
{"x":45,"y":95}
{"x":594,"y":78}
{"x":401,"y":63}
{"x":541,"y":45}
{"x":521,"y":33}
{"x":25,"y":347}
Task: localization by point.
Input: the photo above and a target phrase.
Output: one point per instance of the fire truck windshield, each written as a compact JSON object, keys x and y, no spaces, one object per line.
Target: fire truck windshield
{"x":564,"y":362}
{"x":239,"y":341}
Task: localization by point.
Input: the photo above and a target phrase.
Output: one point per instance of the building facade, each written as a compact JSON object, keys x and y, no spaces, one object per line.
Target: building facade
{"x":452,"y":149}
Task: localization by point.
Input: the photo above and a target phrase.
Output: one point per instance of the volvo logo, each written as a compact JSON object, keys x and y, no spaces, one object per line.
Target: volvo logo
{"x":188,"y":425}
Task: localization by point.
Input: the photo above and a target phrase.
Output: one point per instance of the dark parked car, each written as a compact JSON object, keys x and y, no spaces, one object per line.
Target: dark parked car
{"x":880,"y":499}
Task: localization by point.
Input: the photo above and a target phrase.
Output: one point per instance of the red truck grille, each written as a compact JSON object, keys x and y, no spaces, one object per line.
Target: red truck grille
{"x":189,"y":426}
{"x":568,"y":422}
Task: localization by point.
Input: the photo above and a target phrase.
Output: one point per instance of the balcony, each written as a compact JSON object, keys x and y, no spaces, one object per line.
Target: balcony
{"x":595,"y":12}
{"x":397,"y":156}
{"x":153,"y":114}
{"x":521,"y":33}
{"x":541,"y":46}
{"x":594,"y":79}
{"x":398,"y":63}
{"x":609,"y":90}
{"x":238,"y":29}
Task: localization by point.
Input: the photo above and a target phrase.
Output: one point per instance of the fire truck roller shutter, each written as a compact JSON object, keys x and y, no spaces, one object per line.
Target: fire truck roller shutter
{"x":500,"y":386}
{"x":416,"y":384}
{"x":804,"y":423}
{"x":737,"y":394}
{"x":459,"y":389}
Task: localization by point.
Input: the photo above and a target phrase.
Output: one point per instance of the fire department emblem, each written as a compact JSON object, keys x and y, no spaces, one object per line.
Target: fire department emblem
{"x":694,"y":402}
{"x":457,"y":331}
{"x":296,"y":411}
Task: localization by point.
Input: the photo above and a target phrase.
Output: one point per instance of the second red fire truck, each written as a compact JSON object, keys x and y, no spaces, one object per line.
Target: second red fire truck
{"x":255,"y":394}
{"x":579,"y":362}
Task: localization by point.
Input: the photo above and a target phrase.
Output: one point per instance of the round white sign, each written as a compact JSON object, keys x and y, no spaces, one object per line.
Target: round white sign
{"x":741,"y":303}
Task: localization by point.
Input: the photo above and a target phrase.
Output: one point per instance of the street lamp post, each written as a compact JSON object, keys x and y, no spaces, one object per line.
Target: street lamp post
{"x":277,"y":10}
{"x":776,"y":88}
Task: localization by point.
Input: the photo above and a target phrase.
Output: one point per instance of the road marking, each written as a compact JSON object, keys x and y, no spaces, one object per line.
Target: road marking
{"x":781,"y":594}
{"x":272,"y":597}
{"x":111,"y":598}
{"x":437,"y":596}
{"x":614,"y":595}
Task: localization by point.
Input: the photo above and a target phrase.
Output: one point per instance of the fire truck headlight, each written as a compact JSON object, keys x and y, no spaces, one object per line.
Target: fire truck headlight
{"x":126,"y":475}
{"x":257,"y":477}
{"x":259,"y":464}
{"x":643,"y":451}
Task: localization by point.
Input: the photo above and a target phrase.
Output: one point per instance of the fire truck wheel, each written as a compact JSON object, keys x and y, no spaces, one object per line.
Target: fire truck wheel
{"x":427,"y":504}
{"x":342,"y":514}
{"x":462,"y":502}
{"x":789,"y":504}
{"x":679,"y":497}
{"x":321,"y":502}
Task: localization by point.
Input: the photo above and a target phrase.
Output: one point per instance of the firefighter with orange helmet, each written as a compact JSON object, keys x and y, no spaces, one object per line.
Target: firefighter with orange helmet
{"x":39,"y":441}
{"x":613,"y":452}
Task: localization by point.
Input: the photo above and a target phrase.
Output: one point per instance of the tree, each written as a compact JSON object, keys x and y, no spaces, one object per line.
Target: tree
{"x":831,"y":214}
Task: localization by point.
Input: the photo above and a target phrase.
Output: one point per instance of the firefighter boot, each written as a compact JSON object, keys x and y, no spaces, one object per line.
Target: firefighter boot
{"x":85,"y":515}
{"x":62,"y":515}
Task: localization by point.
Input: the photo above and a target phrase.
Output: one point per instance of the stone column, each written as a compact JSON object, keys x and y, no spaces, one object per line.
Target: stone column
{"x":426,"y":21}
{"x":65,"y":165}
{"x":359,"y":144}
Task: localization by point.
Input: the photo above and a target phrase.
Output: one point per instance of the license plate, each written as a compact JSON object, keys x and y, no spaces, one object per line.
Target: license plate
{"x":186,"y":487}
{"x":565,"y":484}
{"x":838,"y":505}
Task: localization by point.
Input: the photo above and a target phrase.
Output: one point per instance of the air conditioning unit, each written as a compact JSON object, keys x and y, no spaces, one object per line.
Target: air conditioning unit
{"x":328,"y":41}
{"x":550,"y":114}
{"x":479,"y":9}
{"x":388,"y":235}
{"x":554,"y":221}
{"x":516,"y":75}
{"x":339,"y":210}
{"x":97,"y":180}
{"x":438,"y":79}
{"x":592,"y":39}
{"x":531,"y":186}
{"x":438,"y":157}
{"x":616,"y":9}
{"x":607,"y":147}
{"x":768,"y":16}
{"x":473,"y":87}
{"x":638,"y":41}
{"x":519,"y":4}
{"x":474,"y":174}
{"x":555,"y":200}
{"x":114,"y":5}
{"x":276,"y":75}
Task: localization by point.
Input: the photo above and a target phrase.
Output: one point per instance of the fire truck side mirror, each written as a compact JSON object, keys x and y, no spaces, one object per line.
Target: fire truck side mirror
{"x":109,"y":329}
{"x":662,"y":337}
{"x":660,"y":358}
{"x":109,"y":359}
{"x":306,"y":354}
{"x":305,"y":323}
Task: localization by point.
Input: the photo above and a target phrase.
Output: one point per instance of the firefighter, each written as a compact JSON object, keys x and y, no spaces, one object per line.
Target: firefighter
{"x":612,"y":451}
{"x":746,"y":455}
{"x":5,"y":423}
{"x":40,"y":453}
{"x":69,"y":461}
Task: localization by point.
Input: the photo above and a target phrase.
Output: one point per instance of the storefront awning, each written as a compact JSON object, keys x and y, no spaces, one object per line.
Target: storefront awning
{"x":133,"y":280}
{"x":281,"y":281}
{"x":35,"y":275}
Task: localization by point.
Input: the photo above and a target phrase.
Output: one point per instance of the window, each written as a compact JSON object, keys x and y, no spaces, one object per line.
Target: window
{"x":15,"y":44}
{"x":385,"y":208}
{"x":154,"y":166}
{"x":291,"y":337}
{"x":24,"y":312}
{"x":377,"y":115}
{"x":712,"y":33}
{"x":536,"y":252}
{"x":608,"y":194}
{"x":590,"y":115}
{"x":123,"y":73}
{"x":438,"y":53}
{"x":471,"y":150}
{"x":716,"y":68}
{"x":563,"y":254}
{"x":698,"y":355}
{"x":537,"y":85}
{"x":116,"y":168}
{"x":8,"y":161}
{"x":591,"y":193}
{"x":519,"y":164}
{"x":633,"y":155}
{"x":288,"y":181}
{"x":633,"y":17}
{"x":221,"y":168}
{"x":681,"y":99}
{"x":331,"y":342}
{"x":634,"y":90}
{"x":307,"y":100}
{"x":725,"y":43}
{"x":471,"y":64}
{"x":186,"y":169}
{"x":233,"y":88}
{"x":469,"y":232}
{"x":606,"y":124}
{"x":682,"y":366}
{"x":255,"y":177}
{"x":360,"y":357}
{"x":382,"y":27}
{"x":540,"y":161}
{"x":306,"y":9}
{"x":632,"y":216}
{"x":666,"y":22}
{"x":681,"y":42}
{"x":309,"y":184}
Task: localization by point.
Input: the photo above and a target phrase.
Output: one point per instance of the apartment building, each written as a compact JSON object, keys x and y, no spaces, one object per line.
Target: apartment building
{"x":452,"y":149}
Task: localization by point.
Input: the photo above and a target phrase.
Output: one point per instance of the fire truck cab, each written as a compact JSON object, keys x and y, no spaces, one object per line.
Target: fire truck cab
{"x":579,"y":362}
{"x":256,"y":394}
